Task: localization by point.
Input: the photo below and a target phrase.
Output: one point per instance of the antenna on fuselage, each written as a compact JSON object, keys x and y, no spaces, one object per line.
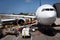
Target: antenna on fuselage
{"x":40,"y":2}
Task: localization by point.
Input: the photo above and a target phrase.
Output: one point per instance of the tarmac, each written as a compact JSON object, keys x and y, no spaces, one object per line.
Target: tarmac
{"x":34,"y":36}
{"x":37,"y":35}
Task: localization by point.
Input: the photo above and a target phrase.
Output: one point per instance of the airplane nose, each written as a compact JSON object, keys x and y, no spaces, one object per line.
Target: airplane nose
{"x":51,"y":14}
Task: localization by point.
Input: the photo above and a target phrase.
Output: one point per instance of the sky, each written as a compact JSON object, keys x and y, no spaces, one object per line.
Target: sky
{"x":25,"y":6}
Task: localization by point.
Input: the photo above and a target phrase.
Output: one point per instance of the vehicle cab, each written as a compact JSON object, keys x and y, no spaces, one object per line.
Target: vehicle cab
{"x":26,"y":33}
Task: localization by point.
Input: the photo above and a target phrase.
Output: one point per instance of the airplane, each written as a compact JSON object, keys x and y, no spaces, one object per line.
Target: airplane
{"x":15,"y":19}
{"x":46,"y":16}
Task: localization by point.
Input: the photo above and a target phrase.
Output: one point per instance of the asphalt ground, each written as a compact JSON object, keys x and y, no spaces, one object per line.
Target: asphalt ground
{"x":37,"y":35}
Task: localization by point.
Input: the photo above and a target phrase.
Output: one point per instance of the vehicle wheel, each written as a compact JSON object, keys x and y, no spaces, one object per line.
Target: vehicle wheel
{"x":16,"y":33}
{"x":1,"y":35}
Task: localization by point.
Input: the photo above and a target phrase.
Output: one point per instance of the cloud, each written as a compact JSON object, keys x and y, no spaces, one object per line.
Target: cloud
{"x":27,"y":1}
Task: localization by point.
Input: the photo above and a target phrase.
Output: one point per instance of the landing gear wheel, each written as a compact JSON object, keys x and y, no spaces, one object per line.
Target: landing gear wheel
{"x":53,"y":24}
{"x":48,"y":31}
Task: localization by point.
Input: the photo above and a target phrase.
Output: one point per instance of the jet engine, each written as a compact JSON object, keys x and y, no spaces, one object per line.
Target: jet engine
{"x":21,"y":21}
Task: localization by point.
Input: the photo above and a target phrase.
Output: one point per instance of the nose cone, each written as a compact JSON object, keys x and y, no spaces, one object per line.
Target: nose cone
{"x":46,"y":14}
{"x":50,"y":14}
{"x":46,"y":11}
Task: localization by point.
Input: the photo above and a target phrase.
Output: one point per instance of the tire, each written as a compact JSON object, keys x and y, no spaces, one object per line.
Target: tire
{"x":49,"y":31}
{"x":16,"y":33}
{"x":53,"y":24}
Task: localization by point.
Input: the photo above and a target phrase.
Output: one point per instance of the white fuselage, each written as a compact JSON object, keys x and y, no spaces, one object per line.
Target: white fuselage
{"x":46,"y":15}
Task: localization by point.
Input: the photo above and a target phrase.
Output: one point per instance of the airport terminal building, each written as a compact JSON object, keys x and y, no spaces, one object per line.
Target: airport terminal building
{"x":57,"y":7}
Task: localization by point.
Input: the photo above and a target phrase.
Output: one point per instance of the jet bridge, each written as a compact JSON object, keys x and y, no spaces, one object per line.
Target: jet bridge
{"x":57,"y":7}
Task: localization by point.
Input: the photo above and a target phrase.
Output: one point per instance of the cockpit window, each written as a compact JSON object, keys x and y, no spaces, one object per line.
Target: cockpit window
{"x":48,"y":9}
{"x":45,"y":10}
{"x":52,"y":9}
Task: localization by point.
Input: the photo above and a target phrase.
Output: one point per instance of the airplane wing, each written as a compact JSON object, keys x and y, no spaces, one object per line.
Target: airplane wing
{"x":7,"y":20}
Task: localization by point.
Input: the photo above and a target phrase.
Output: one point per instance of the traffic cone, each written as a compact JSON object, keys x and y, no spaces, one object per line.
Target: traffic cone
{"x":38,"y":34}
